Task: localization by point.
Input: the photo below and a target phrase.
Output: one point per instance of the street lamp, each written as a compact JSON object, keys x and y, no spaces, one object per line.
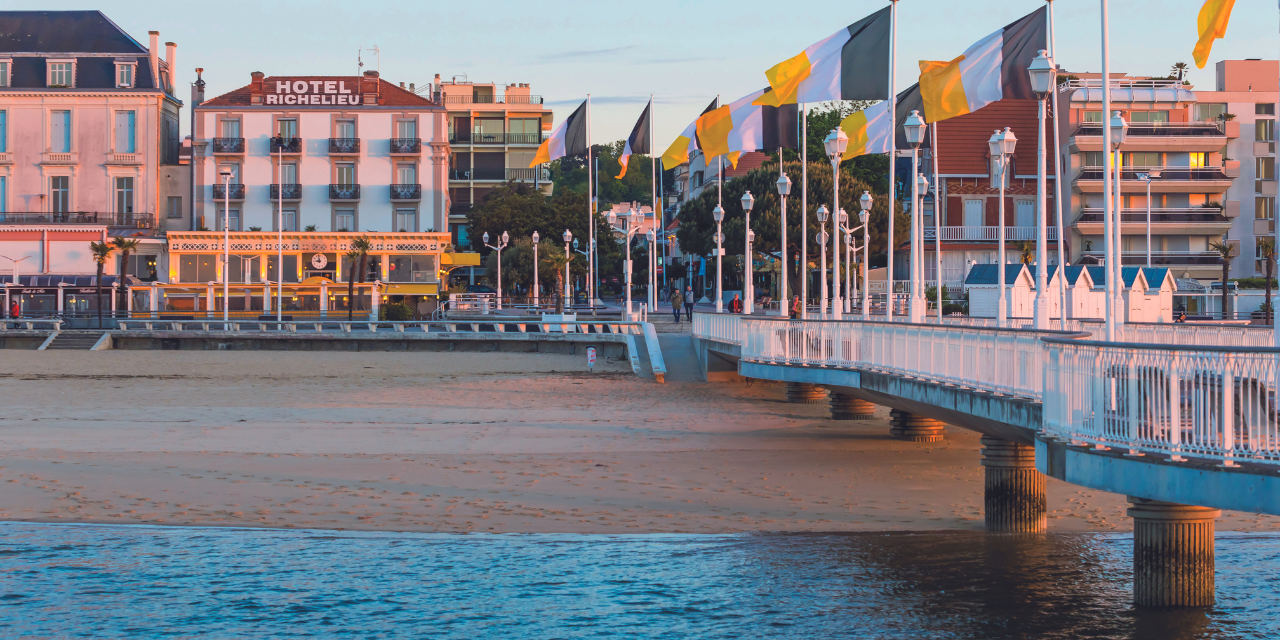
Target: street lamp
{"x":1151,"y":174}
{"x":717,"y":214}
{"x":652,"y":283}
{"x":865,"y":203}
{"x":630,"y":230}
{"x":835,"y":144}
{"x":913,"y":129}
{"x":568,"y":237}
{"x":1042,"y":72}
{"x":922,"y":188}
{"x":822,"y":242}
{"x":1001,"y":147}
{"x":226,"y":247}
{"x":749,"y":287}
{"x":839,"y":227}
{"x":784,"y":189}
{"x":847,"y":231}
{"x":1114,"y":258}
{"x":535,"y":269}
{"x":502,"y":244}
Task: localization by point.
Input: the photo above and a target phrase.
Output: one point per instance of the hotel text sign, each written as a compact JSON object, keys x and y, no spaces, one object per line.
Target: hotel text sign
{"x":313,"y":92}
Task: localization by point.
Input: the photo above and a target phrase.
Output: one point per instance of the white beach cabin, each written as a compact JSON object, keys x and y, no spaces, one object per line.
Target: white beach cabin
{"x":982,"y":285}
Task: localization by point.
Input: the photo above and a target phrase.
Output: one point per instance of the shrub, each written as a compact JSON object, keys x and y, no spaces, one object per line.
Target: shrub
{"x":396,"y":312}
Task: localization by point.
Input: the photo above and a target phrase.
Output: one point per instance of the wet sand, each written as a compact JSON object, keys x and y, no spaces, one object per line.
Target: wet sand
{"x":458,"y":442}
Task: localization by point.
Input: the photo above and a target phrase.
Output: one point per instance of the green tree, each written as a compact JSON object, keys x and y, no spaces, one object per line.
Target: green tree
{"x":359,"y":258}
{"x":1226,"y":251}
{"x":125,"y":246}
{"x":553,"y":260}
{"x":101,"y":252}
{"x":872,"y":169}
{"x":570,"y":173}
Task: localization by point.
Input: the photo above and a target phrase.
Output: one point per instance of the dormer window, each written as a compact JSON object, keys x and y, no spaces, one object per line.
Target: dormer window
{"x":62,"y":73}
{"x":124,"y":74}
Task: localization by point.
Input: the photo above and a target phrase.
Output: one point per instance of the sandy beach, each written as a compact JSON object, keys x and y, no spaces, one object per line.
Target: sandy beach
{"x":457,"y":442}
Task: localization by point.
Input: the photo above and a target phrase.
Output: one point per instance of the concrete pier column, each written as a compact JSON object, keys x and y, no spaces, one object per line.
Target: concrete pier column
{"x":1013,"y":499}
{"x":804,"y":393}
{"x":909,"y":426}
{"x":1172,"y":554}
{"x":847,"y":407}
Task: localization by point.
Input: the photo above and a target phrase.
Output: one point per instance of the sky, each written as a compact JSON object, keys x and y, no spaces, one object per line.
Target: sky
{"x":684,"y":53}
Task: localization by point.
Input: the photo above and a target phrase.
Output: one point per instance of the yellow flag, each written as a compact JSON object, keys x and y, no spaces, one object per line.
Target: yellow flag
{"x":942,"y":89}
{"x":543,"y":154}
{"x":713,"y":131}
{"x":1212,"y":24}
{"x":785,"y":77}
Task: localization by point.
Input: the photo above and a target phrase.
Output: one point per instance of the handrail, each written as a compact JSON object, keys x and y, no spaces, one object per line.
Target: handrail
{"x":344,"y":326}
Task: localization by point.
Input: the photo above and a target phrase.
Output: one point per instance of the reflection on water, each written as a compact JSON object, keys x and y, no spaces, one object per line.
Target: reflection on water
{"x":139,"y":582}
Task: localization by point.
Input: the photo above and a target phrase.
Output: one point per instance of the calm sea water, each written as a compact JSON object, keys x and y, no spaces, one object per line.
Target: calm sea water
{"x":157,"y":582}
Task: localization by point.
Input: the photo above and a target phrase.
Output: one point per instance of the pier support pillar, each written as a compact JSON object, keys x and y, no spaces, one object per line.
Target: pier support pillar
{"x":847,"y":407}
{"x":1014,"y":498}
{"x":1172,"y":554}
{"x":909,"y":426}
{"x":805,"y":393}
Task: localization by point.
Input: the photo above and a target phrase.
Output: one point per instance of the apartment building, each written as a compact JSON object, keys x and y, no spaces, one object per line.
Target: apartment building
{"x":88,"y":125}
{"x":494,"y":133}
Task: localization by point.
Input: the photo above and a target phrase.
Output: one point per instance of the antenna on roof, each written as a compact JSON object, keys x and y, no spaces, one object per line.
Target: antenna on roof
{"x":360,"y":61}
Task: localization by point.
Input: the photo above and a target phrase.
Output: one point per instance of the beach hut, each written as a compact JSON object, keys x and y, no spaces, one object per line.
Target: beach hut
{"x":982,"y":285}
{"x":1156,"y":303}
{"x":1083,"y":303}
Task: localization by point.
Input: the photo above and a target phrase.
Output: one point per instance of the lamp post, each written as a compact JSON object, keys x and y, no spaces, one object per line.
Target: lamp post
{"x":280,"y":234}
{"x":865,"y":203}
{"x":922,"y":187}
{"x":717,"y":214}
{"x":913,"y":129}
{"x":226,"y":246}
{"x":649,"y":237}
{"x":1001,"y":146}
{"x":568,"y":237}
{"x":748,"y":267}
{"x":835,"y":145}
{"x":822,"y":269}
{"x":535,"y":269}
{"x":848,"y":263}
{"x":1042,"y":72}
{"x":784,"y":189}
{"x":502,"y":244}
{"x":630,"y":230}
{"x":1114,"y":258}
{"x":1151,"y":174}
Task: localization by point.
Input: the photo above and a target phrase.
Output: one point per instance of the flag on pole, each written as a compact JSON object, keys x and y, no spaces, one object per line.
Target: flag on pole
{"x":993,"y":68}
{"x":638,"y":141}
{"x":749,"y":123}
{"x":1211,"y":24}
{"x":678,"y":152}
{"x":569,"y":139}
{"x":869,"y":131}
{"x":850,"y":64}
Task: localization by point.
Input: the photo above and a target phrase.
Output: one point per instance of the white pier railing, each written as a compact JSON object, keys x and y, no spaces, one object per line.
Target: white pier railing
{"x":721,"y":327}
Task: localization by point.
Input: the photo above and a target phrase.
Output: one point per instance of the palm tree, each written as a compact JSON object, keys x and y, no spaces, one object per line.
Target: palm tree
{"x":554,"y":258}
{"x":101,"y":254}
{"x":1028,"y":251}
{"x":125,"y":246}
{"x":1226,"y":251}
{"x":1267,"y":251}
{"x":361,"y":246}
{"x":1179,"y":70}
{"x":352,"y":257}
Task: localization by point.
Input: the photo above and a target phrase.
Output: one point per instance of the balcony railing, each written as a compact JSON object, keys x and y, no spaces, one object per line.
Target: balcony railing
{"x":479,"y":99}
{"x":1161,"y":215}
{"x":228,"y":145}
{"x":406,"y":192}
{"x":286,"y":192}
{"x":526,"y":174}
{"x":109,"y":218}
{"x":1167,"y":174}
{"x":344,"y":192}
{"x":517,"y":174}
{"x":1210,"y":129}
{"x":987,"y":234}
{"x":465,"y":137}
{"x":286,"y":145}
{"x":220,"y":191}
{"x":406,"y":146}
{"x":344,"y":146}
{"x":1161,"y":258}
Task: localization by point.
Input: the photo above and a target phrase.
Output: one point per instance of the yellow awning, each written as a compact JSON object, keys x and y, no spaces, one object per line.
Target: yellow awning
{"x":411,"y":289}
{"x":460,"y":259}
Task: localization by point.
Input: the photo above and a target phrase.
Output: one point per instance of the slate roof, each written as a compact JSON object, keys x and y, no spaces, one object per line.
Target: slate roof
{"x":1128,"y":274}
{"x":988,"y":274}
{"x":64,"y":32}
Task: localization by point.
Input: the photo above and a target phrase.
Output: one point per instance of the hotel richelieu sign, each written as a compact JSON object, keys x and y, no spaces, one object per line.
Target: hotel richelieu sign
{"x":287,"y":91}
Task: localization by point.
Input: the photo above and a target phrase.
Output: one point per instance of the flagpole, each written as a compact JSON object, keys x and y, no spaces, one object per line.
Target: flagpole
{"x":784,"y":305}
{"x":591,"y":221}
{"x":1057,"y":182}
{"x":1108,"y":226}
{"x":893,"y":147}
{"x":804,"y":212}
{"x":653,"y":191}
{"x":937,"y":219}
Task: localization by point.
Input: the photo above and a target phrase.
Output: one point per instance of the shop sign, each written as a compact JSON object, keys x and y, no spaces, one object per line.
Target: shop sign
{"x":314,"y":93}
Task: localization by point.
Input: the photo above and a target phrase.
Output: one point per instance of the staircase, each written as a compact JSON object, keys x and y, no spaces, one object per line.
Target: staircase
{"x":78,"y":340}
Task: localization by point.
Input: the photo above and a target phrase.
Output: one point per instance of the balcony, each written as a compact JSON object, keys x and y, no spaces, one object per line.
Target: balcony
{"x":1159,"y":258}
{"x":220,"y":192}
{"x":109,"y":218}
{"x":495,"y":138}
{"x":987,"y":234}
{"x":406,"y":192}
{"x":344,"y":146}
{"x":287,"y":146}
{"x":488,"y":99}
{"x":513,"y":174}
{"x":59,"y":158}
{"x":1164,"y":221}
{"x":344,"y":192}
{"x":286,"y":192}
{"x":1171,"y":180}
{"x":1169,"y":137}
{"x":406,"y":146}
{"x":124,"y":159}
{"x":227,"y":146}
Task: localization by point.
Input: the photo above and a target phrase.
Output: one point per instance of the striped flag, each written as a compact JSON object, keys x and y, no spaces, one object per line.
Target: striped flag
{"x":638,"y":141}
{"x":1211,"y":24}
{"x":869,"y":131}
{"x":993,"y":68}
{"x":569,"y":139}
{"x":850,"y":64}
{"x":687,"y":141}
{"x":749,"y":123}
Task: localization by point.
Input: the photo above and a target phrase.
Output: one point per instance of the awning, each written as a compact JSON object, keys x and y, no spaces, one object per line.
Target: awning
{"x":460,"y":259}
{"x":411,"y":289}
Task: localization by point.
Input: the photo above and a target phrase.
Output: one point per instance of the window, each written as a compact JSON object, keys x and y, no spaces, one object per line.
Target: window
{"x":344,"y":129}
{"x":406,"y":174}
{"x":406,"y":129}
{"x":1264,"y":208}
{"x":230,"y":128}
{"x":125,"y":131}
{"x":1091,"y":116}
{"x":345,"y":173}
{"x":197,"y":268}
{"x":142,"y":267}
{"x":406,"y":219}
{"x":232,"y":216}
{"x":124,"y":75}
{"x":1198,"y":159}
{"x":59,"y":194}
{"x":1091,"y":158}
{"x":973,"y":213}
{"x":411,"y":268}
{"x":1149,"y":117}
{"x":4,"y":184}
{"x":1264,"y":130}
{"x":287,"y":127}
{"x":1141,"y":159}
{"x":124,"y":195}
{"x":1026,"y":213}
{"x":1265,"y":109}
{"x":174,"y":209}
{"x":290,"y":268}
{"x":60,"y":132}
{"x":344,"y":220}
{"x":5,"y":65}
{"x":4,"y":131}
{"x":61,"y":74}
{"x":289,"y":173}
{"x":1209,"y":111}
{"x":1264,"y":168}
{"x":244,"y":268}
{"x":289,"y":219}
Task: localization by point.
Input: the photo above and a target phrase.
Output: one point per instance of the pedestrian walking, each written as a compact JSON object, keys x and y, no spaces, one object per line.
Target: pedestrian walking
{"x":677,"y":301}
{"x":14,"y":309}
{"x":796,"y":308}
{"x":688,"y":303}
{"x":735,"y":305}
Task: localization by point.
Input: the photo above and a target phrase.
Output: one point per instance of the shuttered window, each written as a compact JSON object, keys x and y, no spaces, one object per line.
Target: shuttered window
{"x":125,"y":121}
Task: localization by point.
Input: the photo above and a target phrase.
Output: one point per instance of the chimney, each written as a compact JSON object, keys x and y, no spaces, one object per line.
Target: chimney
{"x":369,"y":87}
{"x":171,"y":59}
{"x":155,"y":57}
{"x":437,"y":79}
{"x":255,"y":87}
{"x":411,"y":88}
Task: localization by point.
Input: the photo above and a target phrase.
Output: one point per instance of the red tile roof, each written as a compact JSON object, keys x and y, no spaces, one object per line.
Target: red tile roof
{"x":388,"y":94}
{"x":746,"y":162}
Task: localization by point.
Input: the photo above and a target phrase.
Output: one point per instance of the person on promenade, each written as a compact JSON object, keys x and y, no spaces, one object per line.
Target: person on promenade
{"x":14,"y":309}
{"x":688,"y":303}
{"x":735,"y":305}
{"x":677,"y":301}
{"x":796,"y":308}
